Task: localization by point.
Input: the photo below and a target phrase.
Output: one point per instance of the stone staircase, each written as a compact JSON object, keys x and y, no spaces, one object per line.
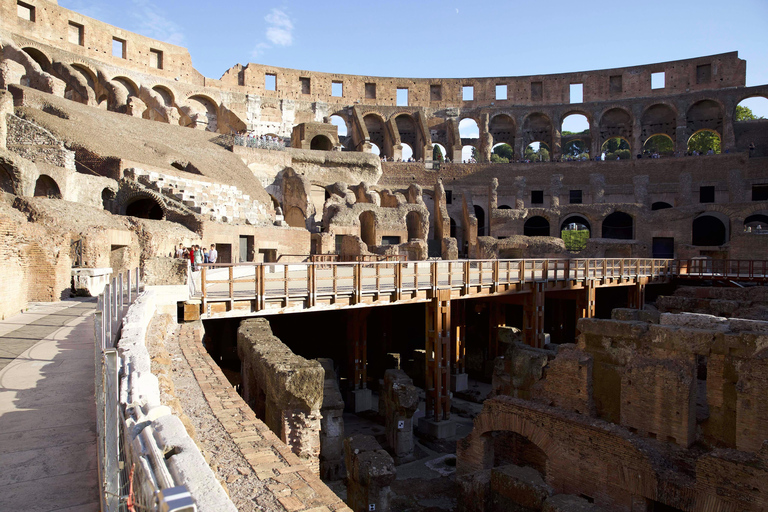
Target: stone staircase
{"x":222,"y":203}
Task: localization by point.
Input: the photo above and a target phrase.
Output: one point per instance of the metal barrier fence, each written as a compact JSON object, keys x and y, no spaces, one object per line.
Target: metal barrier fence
{"x":132,"y":473}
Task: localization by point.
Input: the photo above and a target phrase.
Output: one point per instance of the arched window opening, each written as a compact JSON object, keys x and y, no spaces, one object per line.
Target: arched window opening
{"x":575,"y":231}
{"x":407,"y":152}
{"x":408,"y":131}
{"x":438,"y":152}
{"x":704,"y":142}
{"x":368,"y":228}
{"x":574,"y":124}
{"x":321,"y":143}
{"x":659,"y":119}
{"x":537,"y":127}
{"x":107,"y":198}
{"x":505,"y":207}
{"x":618,"y":225}
{"x":468,"y":129}
{"x":413,"y":223}
{"x":660,"y":205}
{"x":502,"y":129}
{"x":575,"y":150}
{"x":502,"y":153}
{"x":616,"y":122}
{"x":145,"y":208}
{"x":480,"y":214}
{"x":453,"y":228}
{"x":6,"y":182}
{"x":295,"y":217}
{"x":469,"y":154}
{"x":47,"y":187}
{"x":39,"y":57}
{"x":536,"y":226}
{"x":757,"y":222}
{"x":659,"y":145}
{"x":375,"y":126}
{"x":704,"y":115}
{"x":708,"y":230}
{"x":537,"y":152}
{"x":375,"y":150}
{"x":751,"y":109}
{"x":341,"y":124}
{"x":615,"y":148}
{"x":165,"y":94}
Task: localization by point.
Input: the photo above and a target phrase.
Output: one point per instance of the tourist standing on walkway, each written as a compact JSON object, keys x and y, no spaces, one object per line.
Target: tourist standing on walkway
{"x":213,"y":254}
{"x":198,"y":257}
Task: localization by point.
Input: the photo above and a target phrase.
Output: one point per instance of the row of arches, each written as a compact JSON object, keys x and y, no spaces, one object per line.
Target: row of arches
{"x":368,"y":233}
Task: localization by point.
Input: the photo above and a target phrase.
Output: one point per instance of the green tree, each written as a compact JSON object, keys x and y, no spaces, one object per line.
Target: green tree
{"x":616,"y":147}
{"x":745,"y":114}
{"x":540,"y":155}
{"x":660,"y":144}
{"x":475,"y":154}
{"x":437,"y":155}
{"x":703,"y":141}
{"x":504,"y":151}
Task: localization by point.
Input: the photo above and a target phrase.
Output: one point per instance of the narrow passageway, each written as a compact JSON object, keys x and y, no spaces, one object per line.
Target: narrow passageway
{"x":47,"y":409}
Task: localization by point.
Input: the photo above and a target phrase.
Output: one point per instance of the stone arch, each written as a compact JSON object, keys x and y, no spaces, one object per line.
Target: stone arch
{"x":536,"y":226}
{"x":660,"y":205}
{"x":658,"y":119}
{"x":537,"y":127}
{"x":130,"y":85}
{"x":502,"y":128}
{"x":295,"y":217}
{"x":144,"y":207}
{"x":45,"y":186}
{"x":755,"y":220}
{"x":616,"y":122}
{"x":409,"y":133}
{"x":660,"y":143}
{"x":480,"y":215}
{"x":321,"y":143}
{"x":619,"y":225}
{"x":166,"y":94}
{"x":377,"y":132}
{"x":126,"y":197}
{"x":88,"y":74}
{"x":41,"y":58}
{"x":413,"y":222}
{"x":710,"y":229}
{"x":201,"y":113}
{"x":578,"y":219}
{"x":705,"y":114}
{"x":368,"y":228}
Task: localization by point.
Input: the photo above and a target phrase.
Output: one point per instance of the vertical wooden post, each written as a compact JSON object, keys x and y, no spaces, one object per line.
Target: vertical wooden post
{"x":533,"y":317}
{"x":312,"y":284}
{"x":398,"y":281}
{"x":458,"y":340}
{"x":438,"y":355}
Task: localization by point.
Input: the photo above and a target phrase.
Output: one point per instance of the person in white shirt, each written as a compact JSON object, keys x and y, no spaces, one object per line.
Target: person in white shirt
{"x":213,"y":254}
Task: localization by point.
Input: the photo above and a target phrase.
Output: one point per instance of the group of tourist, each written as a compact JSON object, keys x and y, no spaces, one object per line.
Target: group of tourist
{"x":400,"y":160}
{"x":197,"y":255}
{"x":250,"y":140}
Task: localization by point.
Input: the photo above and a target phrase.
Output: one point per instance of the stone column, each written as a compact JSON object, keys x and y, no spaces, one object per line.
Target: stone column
{"x":331,"y":426}
{"x":399,"y":400}
{"x":370,"y":471}
{"x":6,"y":107}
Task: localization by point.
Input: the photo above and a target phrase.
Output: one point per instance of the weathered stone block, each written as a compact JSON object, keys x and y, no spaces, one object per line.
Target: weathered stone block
{"x":515,"y":488}
{"x":370,"y":471}
{"x":400,"y":399}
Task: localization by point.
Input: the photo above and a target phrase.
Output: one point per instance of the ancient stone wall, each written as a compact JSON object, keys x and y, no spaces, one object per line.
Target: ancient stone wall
{"x":285,"y":390}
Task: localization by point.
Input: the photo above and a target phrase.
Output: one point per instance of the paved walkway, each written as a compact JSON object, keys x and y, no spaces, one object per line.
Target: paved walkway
{"x":47,"y":409}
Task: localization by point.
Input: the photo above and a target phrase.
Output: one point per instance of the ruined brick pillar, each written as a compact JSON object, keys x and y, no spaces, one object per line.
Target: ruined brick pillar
{"x":283,"y":389}
{"x":398,"y":401}
{"x":370,"y":471}
{"x":332,"y":426}
{"x":6,"y":107}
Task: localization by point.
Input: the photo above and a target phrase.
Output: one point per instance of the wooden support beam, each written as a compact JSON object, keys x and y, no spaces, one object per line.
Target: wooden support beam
{"x":438,"y":355}
{"x":533,"y":316}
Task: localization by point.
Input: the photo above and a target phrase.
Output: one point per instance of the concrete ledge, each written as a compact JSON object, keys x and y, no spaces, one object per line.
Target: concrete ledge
{"x":90,"y":282}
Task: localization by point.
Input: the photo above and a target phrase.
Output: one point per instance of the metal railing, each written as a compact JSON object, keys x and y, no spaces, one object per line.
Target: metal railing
{"x":132,"y":472}
{"x":263,"y":282}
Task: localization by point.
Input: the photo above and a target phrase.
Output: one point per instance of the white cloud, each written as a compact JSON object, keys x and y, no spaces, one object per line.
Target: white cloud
{"x":280,"y":30}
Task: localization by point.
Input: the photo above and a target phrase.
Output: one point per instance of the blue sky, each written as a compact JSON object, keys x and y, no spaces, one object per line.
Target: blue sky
{"x":446,"y":38}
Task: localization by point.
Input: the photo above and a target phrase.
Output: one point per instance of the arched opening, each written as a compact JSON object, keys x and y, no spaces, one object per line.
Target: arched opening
{"x":340,"y":123}
{"x":47,"y":187}
{"x":505,"y":207}
{"x":536,"y":226}
{"x":757,"y":222}
{"x":43,"y":61}
{"x":575,"y":231}
{"x":375,"y":149}
{"x":705,"y":115}
{"x":537,"y":152}
{"x":295,"y":217}
{"x":453,"y":227}
{"x":407,"y":152}
{"x":658,"y":120}
{"x":618,"y":225}
{"x":502,"y":129}
{"x":375,"y":126}
{"x":413,"y":222}
{"x":659,"y":145}
{"x":107,"y":198}
{"x":128,"y":84}
{"x":615,"y":148}
{"x":709,"y":230}
{"x":502,"y":153}
{"x":438,"y":152}
{"x":368,"y":228}
{"x":321,"y":143}
{"x":469,"y":154}
{"x":202,"y":113}
{"x":6,"y":182}
{"x":165,"y":94}
{"x":660,"y":205}
{"x":513,"y":448}
{"x":145,"y":208}
{"x":575,"y":124}
{"x":406,"y":127}
{"x":468,"y":128}
{"x":751,"y":109}
{"x":616,"y":122}
{"x":704,"y":142}
{"x":575,"y":149}
{"x":480,"y":215}
{"x":537,"y":127}
{"x":103,"y":102}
